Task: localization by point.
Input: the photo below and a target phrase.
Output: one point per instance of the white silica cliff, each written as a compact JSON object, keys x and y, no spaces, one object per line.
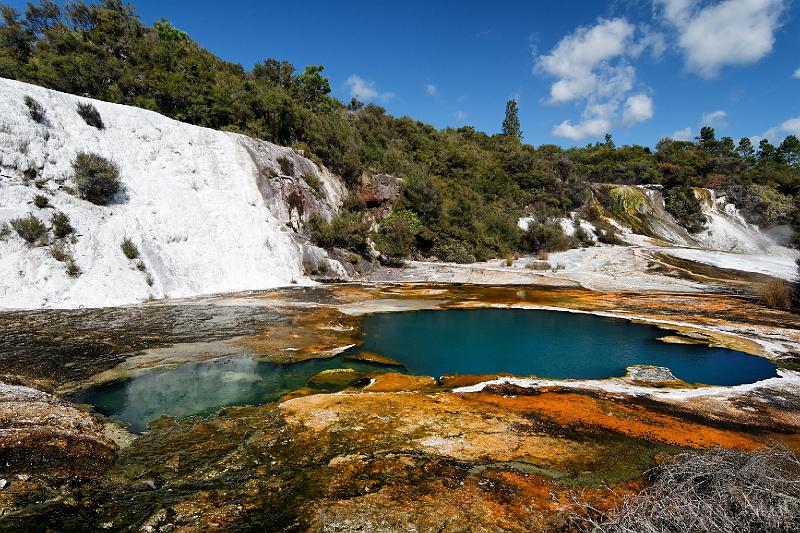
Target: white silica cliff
{"x":208,"y":211}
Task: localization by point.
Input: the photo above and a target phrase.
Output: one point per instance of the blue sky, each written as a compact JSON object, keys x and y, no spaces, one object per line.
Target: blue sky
{"x":641,"y":69}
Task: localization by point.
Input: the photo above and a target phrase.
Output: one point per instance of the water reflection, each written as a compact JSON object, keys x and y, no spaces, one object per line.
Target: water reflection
{"x":203,"y":388}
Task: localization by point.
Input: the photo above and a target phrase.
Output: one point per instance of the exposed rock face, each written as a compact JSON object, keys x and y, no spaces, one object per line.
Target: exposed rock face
{"x":209,"y":211}
{"x":380,"y":193}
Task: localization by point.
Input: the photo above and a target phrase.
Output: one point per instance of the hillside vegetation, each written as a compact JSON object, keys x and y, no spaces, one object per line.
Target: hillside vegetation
{"x":462,"y":190}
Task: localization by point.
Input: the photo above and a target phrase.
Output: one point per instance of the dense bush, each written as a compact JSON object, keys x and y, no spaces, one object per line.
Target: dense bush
{"x":346,"y":230}
{"x":61,"y":225}
{"x":90,"y":115}
{"x":96,"y":178}
{"x":396,"y":238}
{"x":129,"y":248}
{"x":547,"y":235}
{"x":29,"y":228}
{"x":36,"y":110}
{"x":682,"y":203}
{"x":453,"y":252}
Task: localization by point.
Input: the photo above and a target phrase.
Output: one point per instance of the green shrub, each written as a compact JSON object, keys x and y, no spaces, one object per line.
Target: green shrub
{"x":60,"y":252}
{"x":140,"y":266}
{"x":36,"y":110}
{"x":61,"y":225}
{"x":5,"y":231}
{"x":452,"y":251}
{"x":287,"y":166}
{"x":29,"y":175}
{"x":346,"y":230}
{"x":314,"y":183}
{"x":129,"y":249}
{"x":90,"y":115}
{"x":41,"y":201}
{"x":395,"y":239}
{"x":73,"y":270}
{"x":546,"y":236}
{"x":682,"y":203}
{"x":96,"y":178}
{"x":29,"y":228}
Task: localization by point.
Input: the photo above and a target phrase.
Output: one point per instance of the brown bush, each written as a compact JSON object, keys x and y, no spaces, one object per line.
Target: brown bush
{"x":776,"y":294}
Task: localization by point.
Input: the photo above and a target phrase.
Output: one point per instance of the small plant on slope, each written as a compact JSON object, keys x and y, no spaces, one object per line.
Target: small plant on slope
{"x":41,"y":201}
{"x":287,"y":166}
{"x":29,"y":228}
{"x":36,"y":111}
{"x":129,"y":249}
{"x":90,"y":115}
{"x":61,"y":225}
{"x":96,"y":178}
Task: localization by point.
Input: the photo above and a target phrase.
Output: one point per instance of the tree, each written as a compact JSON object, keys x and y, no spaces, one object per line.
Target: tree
{"x":609,"y":141}
{"x":727,"y":145}
{"x":707,"y":138}
{"x":745,"y":149}
{"x":789,"y":150}
{"x":511,"y":122}
{"x":276,"y":73}
{"x":312,"y":86}
{"x":766,"y":152}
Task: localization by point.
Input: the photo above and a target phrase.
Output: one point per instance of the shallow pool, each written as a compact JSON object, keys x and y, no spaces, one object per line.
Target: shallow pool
{"x":548,"y":344}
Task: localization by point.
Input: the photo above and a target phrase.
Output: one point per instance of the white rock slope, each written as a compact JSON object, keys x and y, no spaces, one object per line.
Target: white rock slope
{"x":208,"y":210}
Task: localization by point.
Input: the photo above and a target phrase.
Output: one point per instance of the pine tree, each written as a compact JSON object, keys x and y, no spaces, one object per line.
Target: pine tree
{"x":511,"y":122}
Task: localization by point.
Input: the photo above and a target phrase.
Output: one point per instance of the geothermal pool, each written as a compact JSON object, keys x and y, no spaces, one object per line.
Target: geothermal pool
{"x":550,"y":344}
{"x":547,"y":344}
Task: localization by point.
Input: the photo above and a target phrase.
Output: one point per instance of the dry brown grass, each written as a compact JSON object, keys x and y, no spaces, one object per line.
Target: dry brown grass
{"x":715,"y":491}
{"x":776,"y":294}
{"x":542,"y":255}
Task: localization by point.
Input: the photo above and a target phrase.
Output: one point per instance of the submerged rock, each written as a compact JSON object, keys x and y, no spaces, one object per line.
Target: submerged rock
{"x":651,"y":375}
{"x":373,"y":358}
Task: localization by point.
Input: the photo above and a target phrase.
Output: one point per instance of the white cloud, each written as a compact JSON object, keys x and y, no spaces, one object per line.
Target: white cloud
{"x":580,"y":59}
{"x":587,"y":128}
{"x":461,"y":115}
{"x":592,"y":66}
{"x":637,"y":108}
{"x":730,"y":32}
{"x":682,"y":135}
{"x":715,"y":119}
{"x":365,"y":90}
{"x":777,"y":133}
{"x":796,"y":74}
{"x":431,"y":89}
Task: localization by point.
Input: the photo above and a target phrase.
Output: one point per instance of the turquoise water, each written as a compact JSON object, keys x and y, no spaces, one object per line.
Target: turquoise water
{"x":548,"y":344}
{"x":434,"y":343}
{"x":203,"y":388}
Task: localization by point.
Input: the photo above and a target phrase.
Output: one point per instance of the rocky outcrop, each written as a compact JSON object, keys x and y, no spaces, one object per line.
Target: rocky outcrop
{"x":41,"y":432}
{"x":380,"y":192}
